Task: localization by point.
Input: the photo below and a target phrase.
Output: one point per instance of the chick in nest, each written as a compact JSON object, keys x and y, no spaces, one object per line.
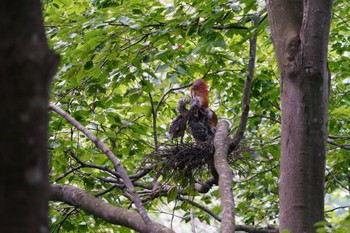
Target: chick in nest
{"x":178,"y":125}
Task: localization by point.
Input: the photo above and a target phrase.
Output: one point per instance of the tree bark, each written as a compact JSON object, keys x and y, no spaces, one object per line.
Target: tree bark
{"x":112,"y":214}
{"x":26,"y":66}
{"x":300,"y":32}
{"x":225,"y":178}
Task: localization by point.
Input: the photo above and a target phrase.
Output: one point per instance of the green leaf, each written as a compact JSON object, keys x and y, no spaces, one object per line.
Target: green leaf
{"x":163,"y":67}
{"x":88,"y":65}
{"x":172,"y":194}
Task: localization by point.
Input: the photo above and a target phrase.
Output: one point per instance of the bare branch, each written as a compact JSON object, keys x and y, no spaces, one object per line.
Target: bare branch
{"x":154,"y":117}
{"x":168,"y":92}
{"x":118,"y":166}
{"x":252,"y":229}
{"x":246,"y":95}
{"x":112,"y":214}
{"x":345,"y":146}
{"x":337,"y":208}
{"x":208,"y":211}
{"x":225,"y":178}
{"x":68,"y":172}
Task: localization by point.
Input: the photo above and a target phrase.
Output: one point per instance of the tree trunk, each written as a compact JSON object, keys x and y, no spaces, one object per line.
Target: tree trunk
{"x":300,"y":32}
{"x":25,"y":68}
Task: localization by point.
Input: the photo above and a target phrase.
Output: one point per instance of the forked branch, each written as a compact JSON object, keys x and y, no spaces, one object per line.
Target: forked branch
{"x":117,"y":165}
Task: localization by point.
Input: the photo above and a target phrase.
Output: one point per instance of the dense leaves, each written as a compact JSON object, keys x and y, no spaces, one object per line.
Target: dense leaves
{"x":119,"y":61}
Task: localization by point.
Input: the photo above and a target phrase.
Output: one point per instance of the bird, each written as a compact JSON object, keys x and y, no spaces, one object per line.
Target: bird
{"x":198,"y":122}
{"x":178,"y":125}
{"x":200,"y":112}
{"x":200,"y":89}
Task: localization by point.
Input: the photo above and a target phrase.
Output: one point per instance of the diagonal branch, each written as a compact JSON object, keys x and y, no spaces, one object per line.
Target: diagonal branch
{"x":117,"y":165}
{"x":112,"y":214}
{"x":246,"y":96}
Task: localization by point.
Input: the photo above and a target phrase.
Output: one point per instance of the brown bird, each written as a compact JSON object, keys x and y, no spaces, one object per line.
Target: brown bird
{"x":200,"y":111}
{"x":200,"y":89}
{"x":178,"y":126}
{"x":198,"y":122}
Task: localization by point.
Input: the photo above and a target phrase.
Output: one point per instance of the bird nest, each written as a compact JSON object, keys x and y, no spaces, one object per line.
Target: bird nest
{"x":187,"y":159}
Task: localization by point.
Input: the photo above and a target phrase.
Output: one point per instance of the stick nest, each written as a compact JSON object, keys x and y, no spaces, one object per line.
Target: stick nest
{"x":188,"y":158}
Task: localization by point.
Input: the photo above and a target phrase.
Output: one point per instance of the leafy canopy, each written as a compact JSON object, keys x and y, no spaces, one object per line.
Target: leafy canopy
{"x":119,"y":58}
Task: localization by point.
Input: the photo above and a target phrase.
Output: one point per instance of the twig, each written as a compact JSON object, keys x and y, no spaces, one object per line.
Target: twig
{"x":118,"y":166}
{"x":208,"y":211}
{"x":345,"y":146}
{"x":104,"y":191}
{"x":154,"y":117}
{"x":193,"y":226}
{"x":57,"y":228}
{"x":103,"y":168}
{"x":168,"y":92}
{"x":68,"y":172}
{"x":337,"y":208}
{"x":252,"y":229}
{"x":155,"y":109}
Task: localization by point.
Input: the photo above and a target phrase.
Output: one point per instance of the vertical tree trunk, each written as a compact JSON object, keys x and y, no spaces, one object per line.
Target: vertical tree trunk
{"x":300,"y":32}
{"x":25,"y":68}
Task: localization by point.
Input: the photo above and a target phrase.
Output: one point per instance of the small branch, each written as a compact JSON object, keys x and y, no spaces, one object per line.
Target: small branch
{"x":252,"y":229}
{"x":232,"y":26}
{"x":266,"y":117}
{"x":104,"y":191}
{"x":112,"y":214}
{"x":118,"y":166}
{"x":339,"y":137}
{"x":127,"y":125}
{"x":168,"y":92}
{"x":193,"y":225}
{"x":136,"y":42}
{"x":200,"y":207}
{"x":337,"y":208}
{"x":345,"y":146}
{"x":155,"y":109}
{"x":57,"y":228}
{"x":246,"y":95}
{"x":225,"y":178}
{"x":68,"y":172}
{"x":102,"y":168}
{"x":154,"y":117}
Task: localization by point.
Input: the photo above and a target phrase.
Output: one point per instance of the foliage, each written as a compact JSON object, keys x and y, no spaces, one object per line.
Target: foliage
{"x":119,"y":58}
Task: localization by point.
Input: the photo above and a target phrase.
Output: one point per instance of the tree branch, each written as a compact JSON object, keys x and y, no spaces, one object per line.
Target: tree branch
{"x":246,"y":96}
{"x":117,"y":165}
{"x":208,"y":211}
{"x":225,"y":177}
{"x":112,"y":214}
{"x":154,"y":117}
{"x":252,"y":229}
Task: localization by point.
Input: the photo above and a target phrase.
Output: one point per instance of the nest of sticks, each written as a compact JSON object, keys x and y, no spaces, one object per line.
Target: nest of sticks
{"x":186,"y":159}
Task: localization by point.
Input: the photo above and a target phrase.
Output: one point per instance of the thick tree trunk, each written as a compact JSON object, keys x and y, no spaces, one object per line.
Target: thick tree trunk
{"x":25,"y":68}
{"x":300,"y":33}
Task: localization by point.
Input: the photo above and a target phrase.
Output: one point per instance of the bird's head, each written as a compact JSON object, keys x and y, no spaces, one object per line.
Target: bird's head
{"x":199,"y":88}
{"x":181,"y":105}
